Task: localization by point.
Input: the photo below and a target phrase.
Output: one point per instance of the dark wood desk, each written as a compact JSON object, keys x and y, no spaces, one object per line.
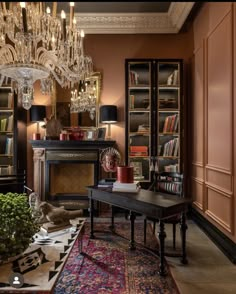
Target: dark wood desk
{"x":152,"y":204}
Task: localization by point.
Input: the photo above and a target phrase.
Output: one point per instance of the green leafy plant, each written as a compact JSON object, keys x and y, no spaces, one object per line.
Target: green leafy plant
{"x":17,"y":225}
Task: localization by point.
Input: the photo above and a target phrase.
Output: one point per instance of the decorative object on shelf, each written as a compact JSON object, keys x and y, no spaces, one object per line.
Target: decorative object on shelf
{"x":37,"y":114}
{"x":85,"y":98}
{"x":20,"y":224}
{"x":110,"y":159}
{"x":108,"y":115}
{"x":101,"y":134}
{"x":36,"y":45}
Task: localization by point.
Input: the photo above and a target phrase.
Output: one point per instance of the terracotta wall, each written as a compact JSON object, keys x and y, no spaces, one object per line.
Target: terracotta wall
{"x":213,"y":122}
{"x":108,"y":53}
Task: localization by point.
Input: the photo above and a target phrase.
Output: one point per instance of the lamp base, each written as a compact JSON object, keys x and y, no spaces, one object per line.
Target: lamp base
{"x":36,"y":136}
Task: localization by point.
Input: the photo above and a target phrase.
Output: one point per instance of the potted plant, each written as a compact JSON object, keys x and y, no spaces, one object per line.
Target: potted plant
{"x":17,"y":225}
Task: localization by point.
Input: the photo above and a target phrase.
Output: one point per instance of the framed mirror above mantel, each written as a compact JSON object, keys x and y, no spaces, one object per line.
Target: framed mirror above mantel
{"x":84,"y":118}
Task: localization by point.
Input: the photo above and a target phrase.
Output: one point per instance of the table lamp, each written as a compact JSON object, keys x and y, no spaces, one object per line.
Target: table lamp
{"x":37,"y":114}
{"x":108,"y":115}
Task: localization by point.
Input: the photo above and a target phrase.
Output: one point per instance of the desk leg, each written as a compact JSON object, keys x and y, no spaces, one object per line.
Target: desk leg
{"x":112,"y":226}
{"x":91,"y":205}
{"x":132,"y":242}
{"x":162,"y":236}
{"x":183,"y":228}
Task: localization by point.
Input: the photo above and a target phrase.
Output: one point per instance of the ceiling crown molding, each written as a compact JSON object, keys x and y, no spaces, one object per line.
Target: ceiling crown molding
{"x":136,"y":23}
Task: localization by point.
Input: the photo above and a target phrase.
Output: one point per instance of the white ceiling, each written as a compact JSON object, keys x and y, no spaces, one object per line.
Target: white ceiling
{"x":136,"y":22}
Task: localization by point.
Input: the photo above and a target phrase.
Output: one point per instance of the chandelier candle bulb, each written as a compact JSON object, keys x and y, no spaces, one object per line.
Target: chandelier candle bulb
{"x":54,"y":9}
{"x":63,"y":17}
{"x":72,"y":4}
{"x":4,"y":8}
{"x":24,"y":17}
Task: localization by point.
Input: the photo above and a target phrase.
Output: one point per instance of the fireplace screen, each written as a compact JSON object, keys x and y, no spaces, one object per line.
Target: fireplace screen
{"x":70,"y":178}
{"x":68,"y":174}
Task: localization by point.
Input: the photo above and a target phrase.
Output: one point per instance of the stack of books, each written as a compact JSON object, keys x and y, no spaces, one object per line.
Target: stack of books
{"x":126,"y":187}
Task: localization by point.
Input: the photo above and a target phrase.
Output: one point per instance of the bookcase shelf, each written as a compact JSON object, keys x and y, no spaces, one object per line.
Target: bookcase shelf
{"x":153,"y":116}
{"x":10,"y":133}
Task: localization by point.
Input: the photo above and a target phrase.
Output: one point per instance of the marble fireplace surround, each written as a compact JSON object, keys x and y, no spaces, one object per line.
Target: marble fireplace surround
{"x":63,"y":169}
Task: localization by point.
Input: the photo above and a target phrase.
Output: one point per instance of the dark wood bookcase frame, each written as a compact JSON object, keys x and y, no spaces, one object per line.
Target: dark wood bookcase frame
{"x":154,"y":90}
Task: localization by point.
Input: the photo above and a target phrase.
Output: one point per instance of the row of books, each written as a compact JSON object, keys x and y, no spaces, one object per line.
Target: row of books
{"x":6,"y":170}
{"x":171,"y":148}
{"x":126,"y":187}
{"x":138,"y":150}
{"x":6,"y":124}
{"x":133,"y":77}
{"x":171,"y":123}
{"x":172,"y":187}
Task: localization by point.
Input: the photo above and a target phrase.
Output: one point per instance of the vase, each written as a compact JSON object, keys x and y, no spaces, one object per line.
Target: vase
{"x":125,"y":174}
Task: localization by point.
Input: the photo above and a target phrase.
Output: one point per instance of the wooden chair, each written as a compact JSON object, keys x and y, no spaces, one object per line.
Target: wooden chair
{"x":171,"y":183}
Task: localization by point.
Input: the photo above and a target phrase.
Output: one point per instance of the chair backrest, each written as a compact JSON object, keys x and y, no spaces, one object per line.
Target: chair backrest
{"x":170,"y":182}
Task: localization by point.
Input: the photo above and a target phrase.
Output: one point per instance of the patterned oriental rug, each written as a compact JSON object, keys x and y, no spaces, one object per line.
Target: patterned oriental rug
{"x":108,"y":266}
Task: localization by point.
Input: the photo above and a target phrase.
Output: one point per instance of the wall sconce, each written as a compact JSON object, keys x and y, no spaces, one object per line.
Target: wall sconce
{"x":37,"y":114}
{"x":108,"y":115}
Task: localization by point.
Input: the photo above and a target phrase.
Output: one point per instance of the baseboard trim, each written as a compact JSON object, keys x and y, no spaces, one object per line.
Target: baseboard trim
{"x":227,"y":246}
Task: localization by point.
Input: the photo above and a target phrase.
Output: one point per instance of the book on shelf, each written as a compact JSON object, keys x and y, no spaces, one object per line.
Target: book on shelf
{"x":171,"y":123}
{"x":9,"y":146}
{"x":143,"y":128}
{"x":3,"y":124}
{"x":133,"y":77}
{"x":173,"y":78}
{"x":139,"y":148}
{"x":10,"y":100}
{"x":10,"y":123}
{"x":131,"y":99}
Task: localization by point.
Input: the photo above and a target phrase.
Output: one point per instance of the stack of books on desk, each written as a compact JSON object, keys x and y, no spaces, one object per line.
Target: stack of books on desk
{"x":126,"y":187}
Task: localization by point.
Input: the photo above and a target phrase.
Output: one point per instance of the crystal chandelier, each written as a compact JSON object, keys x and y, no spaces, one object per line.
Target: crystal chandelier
{"x":36,"y":45}
{"x":85,"y":98}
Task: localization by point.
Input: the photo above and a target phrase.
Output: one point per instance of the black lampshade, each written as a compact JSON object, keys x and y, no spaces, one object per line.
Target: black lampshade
{"x":37,"y":113}
{"x":108,"y":114}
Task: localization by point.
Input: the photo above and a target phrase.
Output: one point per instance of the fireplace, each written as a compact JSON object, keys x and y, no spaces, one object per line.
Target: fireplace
{"x":63,"y":170}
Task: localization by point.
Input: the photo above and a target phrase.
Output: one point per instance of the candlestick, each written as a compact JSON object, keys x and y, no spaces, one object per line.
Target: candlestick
{"x":63,"y":16}
{"x":72,"y":4}
{"x":54,"y":9}
{"x":24,"y":17}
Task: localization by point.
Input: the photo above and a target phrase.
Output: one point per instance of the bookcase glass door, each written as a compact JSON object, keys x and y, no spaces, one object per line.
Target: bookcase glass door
{"x":138,"y":116}
{"x":7,"y":137}
{"x":168,"y":116}
{"x":153,"y":117}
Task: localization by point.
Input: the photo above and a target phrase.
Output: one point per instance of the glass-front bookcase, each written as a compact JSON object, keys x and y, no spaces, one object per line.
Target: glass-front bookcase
{"x":153,"y":116}
{"x":139,"y":118}
{"x":168,"y":116}
{"x":7,"y":131}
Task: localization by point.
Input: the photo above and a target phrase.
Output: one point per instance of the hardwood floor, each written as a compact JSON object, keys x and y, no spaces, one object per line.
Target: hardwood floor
{"x":208,"y":271}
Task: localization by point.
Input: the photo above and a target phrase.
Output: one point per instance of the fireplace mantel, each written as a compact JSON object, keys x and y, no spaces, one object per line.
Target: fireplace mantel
{"x":79,"y":160}
{"x":73,"y":144}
